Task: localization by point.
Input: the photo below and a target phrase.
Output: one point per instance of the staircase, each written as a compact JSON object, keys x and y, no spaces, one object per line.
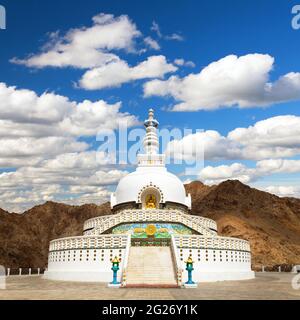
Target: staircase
{"x":150,"y":267}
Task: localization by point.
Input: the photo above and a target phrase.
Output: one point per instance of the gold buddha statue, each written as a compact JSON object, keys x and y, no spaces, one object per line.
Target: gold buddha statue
{"x":151,"y":202}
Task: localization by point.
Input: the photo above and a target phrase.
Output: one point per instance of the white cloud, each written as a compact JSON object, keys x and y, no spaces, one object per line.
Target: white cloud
{"x":95,"y":49}
{"x":182,"y":62}
{"x":280,"y":131}
{"x":33,"y":148}
{"x":37,"y":127}
{"x":276,"y":137}
{"x":174,"y":36}
{"x":87,"y":47}
{"x":72,"y":177}
{"x":215,"y":147}
{"x":238,"y":171}
{"x":229,"y":82}
{"x":25,"y":106}
{"x":155,"y":28}
{"x":271,"y":166}
{"x":284,"y":191}
{"x":88,"y":118}
{"x":116,"y":73}
{"x":271,"y":138}
{"x":24,"y":113}
{"x":151,"y":43}
{"x":235,"y":171}
{"x":39,"y":135}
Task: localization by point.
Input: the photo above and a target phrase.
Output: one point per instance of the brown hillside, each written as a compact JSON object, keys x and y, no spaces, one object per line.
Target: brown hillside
{"x":24,"y":239}
{"x":270,"y":223}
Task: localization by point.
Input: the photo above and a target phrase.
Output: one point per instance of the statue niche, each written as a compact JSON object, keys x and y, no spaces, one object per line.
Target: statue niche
{"x":151,"y":202}
{"x":150,"y":198}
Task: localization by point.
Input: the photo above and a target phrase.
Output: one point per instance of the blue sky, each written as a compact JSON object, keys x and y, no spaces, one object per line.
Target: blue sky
{"x":206,"y":31}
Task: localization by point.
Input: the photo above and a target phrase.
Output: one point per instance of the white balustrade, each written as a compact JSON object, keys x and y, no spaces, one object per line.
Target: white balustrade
{"x":215,"y":243}
{"x":101,"y":241}
{"x":176,"y":261}
{"x":101,"y":224}
{"x":126,"y":257}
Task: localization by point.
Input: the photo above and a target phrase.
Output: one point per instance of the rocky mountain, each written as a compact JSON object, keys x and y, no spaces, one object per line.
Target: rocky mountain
{"x":24,"y":238}
{"x":270,"y":223}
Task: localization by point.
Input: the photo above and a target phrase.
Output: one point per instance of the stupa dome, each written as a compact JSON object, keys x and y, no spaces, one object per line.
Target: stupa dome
{"x":165,"y":185}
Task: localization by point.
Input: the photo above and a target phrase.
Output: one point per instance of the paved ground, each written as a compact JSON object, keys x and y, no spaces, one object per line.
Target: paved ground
{"x":265,"y":286}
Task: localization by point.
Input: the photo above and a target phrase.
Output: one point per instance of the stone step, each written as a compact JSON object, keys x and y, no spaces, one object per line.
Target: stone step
{"x":152,"y":285}
{"x":152,"y":278}
{"x":150,"y":266}
{"x":150,"y":274}
{"x":143,"y":279}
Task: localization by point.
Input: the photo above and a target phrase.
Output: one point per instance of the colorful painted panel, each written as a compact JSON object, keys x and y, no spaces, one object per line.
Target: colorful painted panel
{"x":158,"y":230}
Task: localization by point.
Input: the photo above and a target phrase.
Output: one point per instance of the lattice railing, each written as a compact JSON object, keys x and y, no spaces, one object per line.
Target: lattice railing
{"x":101,"y":241}
{"x":176,"y":261}
{"x":200,"y":242}
{"x":208,"y":223}
{"x":99,"y":225}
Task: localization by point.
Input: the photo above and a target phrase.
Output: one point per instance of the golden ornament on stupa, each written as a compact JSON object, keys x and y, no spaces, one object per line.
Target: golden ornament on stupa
{"x":150,"y":230}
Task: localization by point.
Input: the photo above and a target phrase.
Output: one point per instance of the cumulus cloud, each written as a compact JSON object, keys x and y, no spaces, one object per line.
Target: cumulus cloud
{"x":280,"y":131}
{"x":24,"y":151}
{"x":239,"y":171}
{"x":87,"y":47}
{"x":236,"y":171}
{"x":41,"y":145}
{"x":214,"y":145}
{"x":116,"y":73}
{"x":229,"y":82}
{"x":24,"y":113}
{"x":35,"y":127}
{"x":275,"y":137}
{"x":284,"y":191}
{"x":95,"y":48}
{"x":26,"y":106}
{"x":77,"y":178}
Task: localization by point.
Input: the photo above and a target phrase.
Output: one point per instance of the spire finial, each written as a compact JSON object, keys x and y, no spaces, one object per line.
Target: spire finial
{"x":151,"y":114}
{"x":151,"y":122}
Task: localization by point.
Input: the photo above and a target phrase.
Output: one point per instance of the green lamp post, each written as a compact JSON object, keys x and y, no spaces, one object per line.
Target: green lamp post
{"x":115,"y":268}
{"x":189,"y":269}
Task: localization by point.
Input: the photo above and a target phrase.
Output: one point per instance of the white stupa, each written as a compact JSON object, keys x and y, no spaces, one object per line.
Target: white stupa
{"x":151,"y":232}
